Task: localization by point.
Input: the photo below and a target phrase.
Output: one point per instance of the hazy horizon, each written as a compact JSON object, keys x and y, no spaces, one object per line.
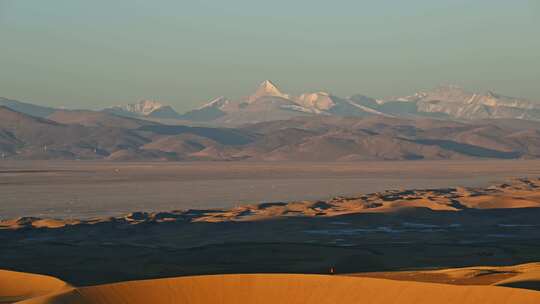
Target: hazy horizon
{"x":96,"y":54}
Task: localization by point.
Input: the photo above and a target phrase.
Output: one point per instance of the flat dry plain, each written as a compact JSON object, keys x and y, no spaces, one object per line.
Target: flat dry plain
{"x":75,"y":189}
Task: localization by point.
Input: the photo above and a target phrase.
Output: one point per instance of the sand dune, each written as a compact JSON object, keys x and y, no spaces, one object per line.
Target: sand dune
{"x":526,"y":276}
{"x":285,"y":288}
{"x":35,"y":222}
{"x":17,"y":286}
{"x":519,"y":193}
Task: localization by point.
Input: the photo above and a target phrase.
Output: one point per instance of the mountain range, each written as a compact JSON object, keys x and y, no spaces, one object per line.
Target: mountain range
{"x":448,"y":102}
{"x":268,"y":103}
{"x":144,"y":108}
{"x":269,"y":125}
{"x":100,"y":135}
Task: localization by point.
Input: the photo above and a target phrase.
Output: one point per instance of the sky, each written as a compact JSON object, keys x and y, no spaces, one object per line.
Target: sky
{"x":93,"y":54}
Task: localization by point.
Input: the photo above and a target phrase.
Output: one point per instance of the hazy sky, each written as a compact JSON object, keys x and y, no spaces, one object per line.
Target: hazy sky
{"x":97,"y":53}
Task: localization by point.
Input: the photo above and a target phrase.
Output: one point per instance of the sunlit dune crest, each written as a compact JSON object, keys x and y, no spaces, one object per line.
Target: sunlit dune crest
{"x":526,"y":276}
{"x":18,"y":286}
{"x":284,"y":288}
{"x":520,"y":193}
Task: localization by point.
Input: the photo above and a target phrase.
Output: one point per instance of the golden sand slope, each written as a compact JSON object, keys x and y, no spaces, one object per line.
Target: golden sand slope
{"x":17,"y":286}
{"x":286,"y":288}
{"x":526,"y":276}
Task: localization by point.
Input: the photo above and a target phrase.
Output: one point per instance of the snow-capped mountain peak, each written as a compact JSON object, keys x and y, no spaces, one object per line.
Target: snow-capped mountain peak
{"x":143,"y":107}
{"x":218,"y":102}
{"x":270,"y":103}
{"x":318,"y":100}
{"x":267,"y":88}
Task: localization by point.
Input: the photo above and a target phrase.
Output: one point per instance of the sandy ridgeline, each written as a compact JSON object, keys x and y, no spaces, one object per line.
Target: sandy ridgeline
{"x":265,"y":288}
{"x":18,"y":286}
{"x":525,"y":276}
{"x":519,"y":193}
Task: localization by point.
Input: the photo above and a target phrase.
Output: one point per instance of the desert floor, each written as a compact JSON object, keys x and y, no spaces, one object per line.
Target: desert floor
{"x":88,"y":189}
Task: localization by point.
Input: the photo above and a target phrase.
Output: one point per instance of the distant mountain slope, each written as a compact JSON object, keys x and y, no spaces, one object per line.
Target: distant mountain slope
{"x":26,"y":108}
{"x":316,"y":138}
{"x":144,"y":108}
{"x":327,"y":138}
{"x":97,"y":135}
{"x":221,"y":135}
{"x":45,"y":139}
{"x":208,"y":112}
{"x":455,"y":102}
{"x":97,"y":119}
{"x":330,"y":138}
